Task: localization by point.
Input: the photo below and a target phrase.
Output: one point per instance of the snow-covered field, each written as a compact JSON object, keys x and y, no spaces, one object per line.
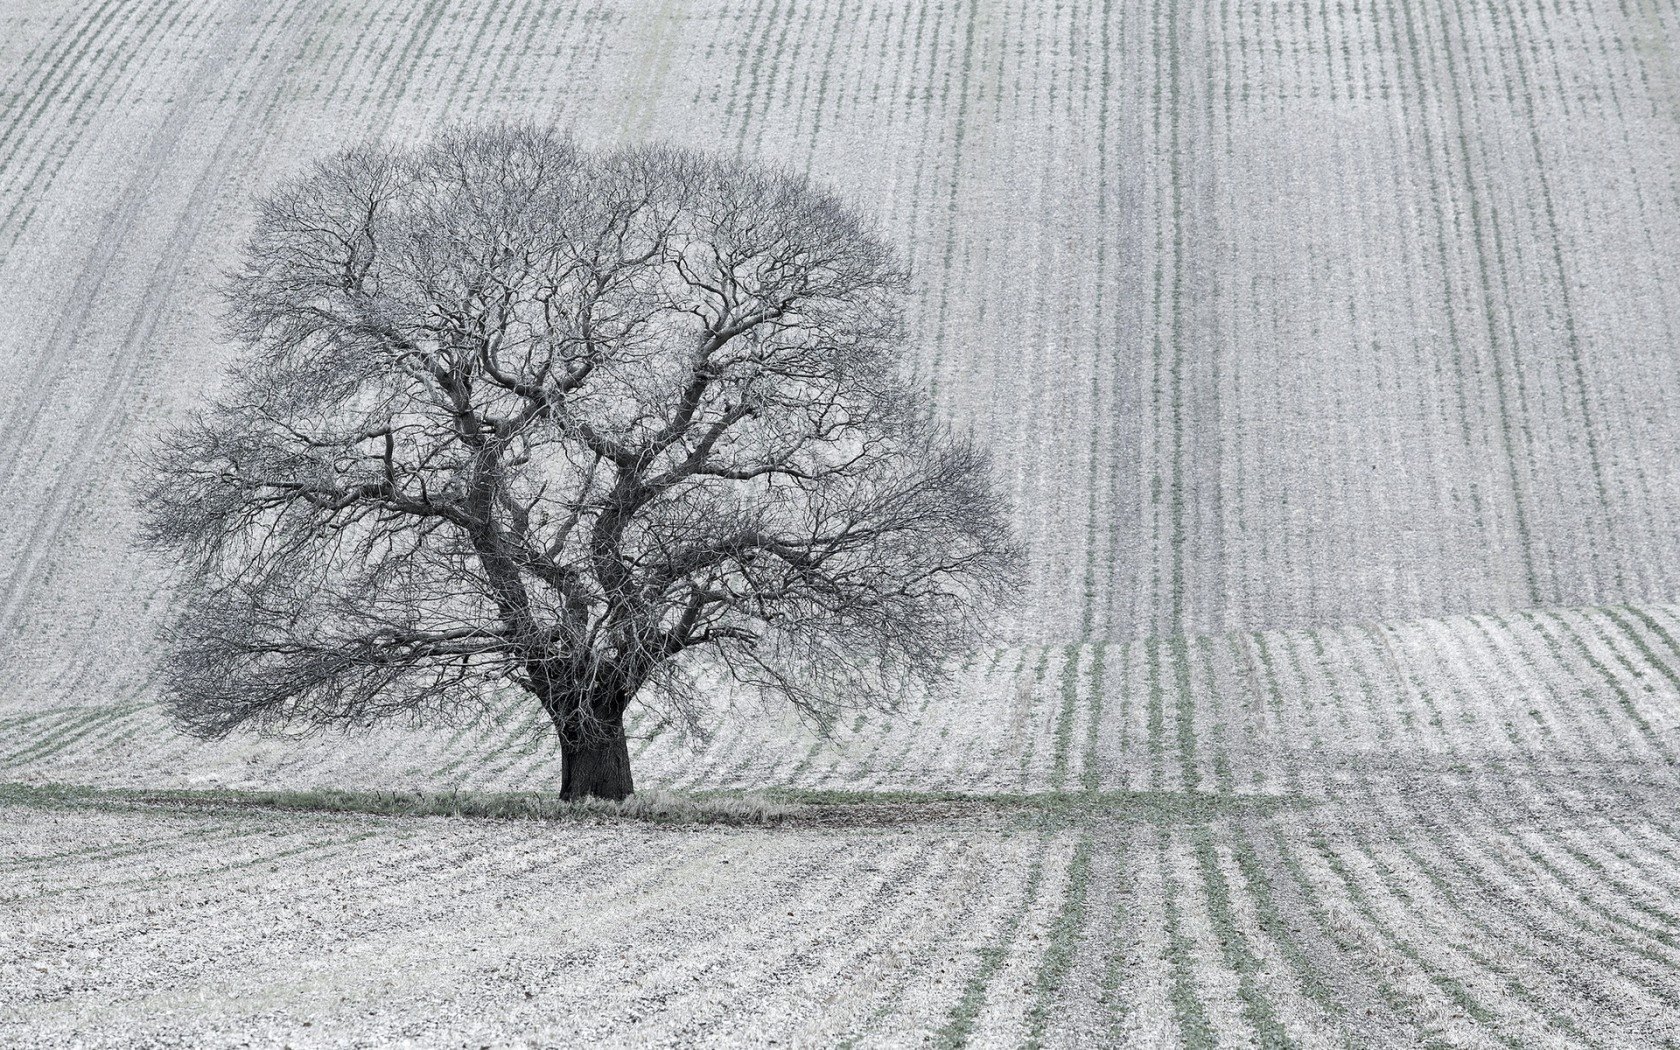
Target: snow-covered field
{"x":1328,"y":351}
{"x":1471,"y":895}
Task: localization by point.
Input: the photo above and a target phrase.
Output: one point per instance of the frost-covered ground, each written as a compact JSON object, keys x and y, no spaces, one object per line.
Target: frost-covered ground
{"x":1431,"y":903}
{"x":1328,"y":353}
{"x":1264,"y":713}
{"x":1451,"y":832}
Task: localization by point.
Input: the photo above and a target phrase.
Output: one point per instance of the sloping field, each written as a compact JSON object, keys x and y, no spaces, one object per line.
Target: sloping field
{"x":1451,"y":921}
{"x":1278,"y":316}
{"x":1329,"y":354}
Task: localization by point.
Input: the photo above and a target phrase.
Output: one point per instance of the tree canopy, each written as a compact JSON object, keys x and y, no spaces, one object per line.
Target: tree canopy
{"x":607,"y":425}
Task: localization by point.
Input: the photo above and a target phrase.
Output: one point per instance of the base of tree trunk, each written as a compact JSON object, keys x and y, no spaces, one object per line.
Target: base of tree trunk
{"x":598,"y":769}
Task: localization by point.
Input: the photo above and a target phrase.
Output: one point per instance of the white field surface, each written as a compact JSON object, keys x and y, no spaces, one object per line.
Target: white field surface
{"x":1328,"y":354}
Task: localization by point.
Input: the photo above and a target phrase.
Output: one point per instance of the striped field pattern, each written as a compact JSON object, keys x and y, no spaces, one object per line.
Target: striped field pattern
{"x":1452,"y":832}
{"x":1444,"y":832}
{"x":1442,"y":928}
{"x":1588,"y":698}
{"x":1328,"y":350}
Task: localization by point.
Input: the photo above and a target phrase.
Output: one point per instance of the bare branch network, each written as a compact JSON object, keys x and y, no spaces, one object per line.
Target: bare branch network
{"x":605,"y":425}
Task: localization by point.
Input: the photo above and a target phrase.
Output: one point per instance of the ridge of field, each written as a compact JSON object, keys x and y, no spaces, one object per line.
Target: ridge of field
{"x":1489,"y":703}
{"x":1285,"y":316}
{"x":1455,"y":832}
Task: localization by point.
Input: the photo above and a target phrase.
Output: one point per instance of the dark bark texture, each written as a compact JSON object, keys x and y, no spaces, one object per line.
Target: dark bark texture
{"x":598,"y":766}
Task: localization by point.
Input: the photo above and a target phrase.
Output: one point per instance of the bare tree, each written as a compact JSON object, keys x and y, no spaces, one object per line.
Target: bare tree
{"x":605,"y":425}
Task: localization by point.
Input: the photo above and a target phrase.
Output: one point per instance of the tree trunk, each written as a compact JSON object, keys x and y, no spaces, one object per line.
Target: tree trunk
{"x":597,"y":766}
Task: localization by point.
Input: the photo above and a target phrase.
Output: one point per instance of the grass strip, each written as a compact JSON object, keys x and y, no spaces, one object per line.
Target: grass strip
{"x":1194,"y":1029}
{"x":1117,"y":1006}
{"x":1149,"y":807}
{"x":658,"y":806}
{"x":1090,"y":776}
{"x":1064,"y":721}
{"x":772,"y":806}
